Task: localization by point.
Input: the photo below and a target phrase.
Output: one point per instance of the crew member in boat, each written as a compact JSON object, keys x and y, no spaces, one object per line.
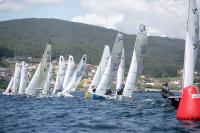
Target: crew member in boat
{"x":166,"y":91}
{"x":93,"y":89}
{"x":121,"y":89}
{"x":108,"y":92}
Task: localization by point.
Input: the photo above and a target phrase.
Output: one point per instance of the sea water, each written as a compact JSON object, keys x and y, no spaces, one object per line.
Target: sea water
{"x":146,"y":112}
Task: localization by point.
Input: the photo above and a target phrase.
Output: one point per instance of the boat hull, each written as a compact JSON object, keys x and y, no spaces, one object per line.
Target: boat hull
{"x":97,"y":97}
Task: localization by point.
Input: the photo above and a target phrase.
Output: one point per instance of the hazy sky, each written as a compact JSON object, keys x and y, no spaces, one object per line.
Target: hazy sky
{"x":162,"y":17}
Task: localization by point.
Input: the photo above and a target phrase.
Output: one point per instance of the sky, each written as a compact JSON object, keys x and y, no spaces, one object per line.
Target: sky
{"x":166,"y":18}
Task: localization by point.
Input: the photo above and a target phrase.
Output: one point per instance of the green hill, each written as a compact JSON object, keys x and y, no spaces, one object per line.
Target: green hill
{"x":28,"y":37}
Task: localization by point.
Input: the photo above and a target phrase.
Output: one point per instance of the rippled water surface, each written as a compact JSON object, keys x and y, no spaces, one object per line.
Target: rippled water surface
{"x":147,"y":112}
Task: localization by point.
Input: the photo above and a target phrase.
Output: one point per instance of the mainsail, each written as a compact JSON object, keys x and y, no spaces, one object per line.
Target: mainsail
{"x":44,"y":64}
{"x":9,"y":88}
{"x":120,"y":72}
{"x":76,"y":76}
{"x":191,"y":44}
{"x":136,"y":67}
{"x":60,"y":76}
{"x":112,"y":66}
{"x":24,"y":78}
{"x":101,"y":68}
{"x":69,"y":70}
{"x":16,"y":80}
{"x":46,"y":90}
{"x":38,"y":80}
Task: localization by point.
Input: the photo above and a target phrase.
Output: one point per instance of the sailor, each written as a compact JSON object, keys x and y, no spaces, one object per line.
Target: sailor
{"x":120,"y":90}
{"x":166,"y":91}
{"x":165,"y":86}
{"x":93,"y":89}
{"x":108,"y":92}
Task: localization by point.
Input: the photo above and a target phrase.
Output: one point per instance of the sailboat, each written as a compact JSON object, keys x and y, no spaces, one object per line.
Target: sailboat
{"x":69,"y":70}
{"x":136,"y":67}
{"x":46,"y":91}
{"x":75,"y":77}
{"x":16,"y":79}
{"x":111,"y":69}
{"x":24,"y":78}
{"x":100,"y":70}
{"x":120,"y":77}
{"x":60,"y":76}
{"x":39,"y":78}
{"x":9,"y":88}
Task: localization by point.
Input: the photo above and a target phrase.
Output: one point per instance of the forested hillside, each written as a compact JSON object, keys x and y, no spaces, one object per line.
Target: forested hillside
{"x":28,"y":37}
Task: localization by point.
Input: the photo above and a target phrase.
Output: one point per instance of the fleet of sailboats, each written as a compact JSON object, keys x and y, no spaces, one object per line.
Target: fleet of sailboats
{"x":110,"y":71}
{"x":75,"y":80}
{"x":68,"y":76}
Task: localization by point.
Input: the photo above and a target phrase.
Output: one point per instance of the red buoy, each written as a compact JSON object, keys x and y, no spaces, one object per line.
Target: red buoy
{"x":189,"y":106}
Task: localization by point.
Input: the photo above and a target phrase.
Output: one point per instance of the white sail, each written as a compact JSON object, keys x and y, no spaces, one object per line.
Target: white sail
{"x":46,"y":90}
{"x":44,"y":65}
{"x":9,"y":88}
{"x":60,"y":75}
{"x":38,"y":80}
{"x":112,"y":67}
{"x":101,"y":68}
{"x":34,"y":83}
{"x":75,"y":77}
{"x":136,"y":67}
{"x":120,"y":72}
{"x":24,"y":78}
{"x":16,"y":80}
{"x":191,"y":43}
{"x":69,"y":70}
